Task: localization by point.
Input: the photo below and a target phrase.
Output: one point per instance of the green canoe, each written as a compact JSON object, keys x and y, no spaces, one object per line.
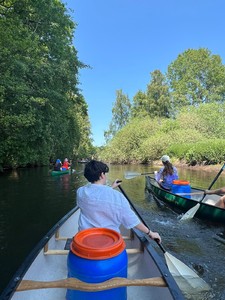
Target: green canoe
{"x":207,"y":210}
{"x":57,"y":173}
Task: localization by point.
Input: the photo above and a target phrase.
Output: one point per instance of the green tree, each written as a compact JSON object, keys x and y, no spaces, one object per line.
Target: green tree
{"x":120,"y":114}
{"x":39,"y":73}
{"x":84,"y":148}
{"x":138,"y":108}
{"x":196,"y":77}
{"x":158,"y":96}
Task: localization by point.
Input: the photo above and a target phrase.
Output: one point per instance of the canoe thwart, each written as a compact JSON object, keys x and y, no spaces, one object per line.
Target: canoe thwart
{"x":75,"y":284}
{"x":66,"y":252}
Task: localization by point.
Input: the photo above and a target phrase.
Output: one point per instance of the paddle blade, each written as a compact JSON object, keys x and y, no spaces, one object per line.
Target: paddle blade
{"x":186,"y":279}
{"x":130,"y":175}
{"x":190,"y":213}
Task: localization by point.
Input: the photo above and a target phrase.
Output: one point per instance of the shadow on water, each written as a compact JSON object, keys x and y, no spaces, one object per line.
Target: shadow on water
{"x":32,"y":201}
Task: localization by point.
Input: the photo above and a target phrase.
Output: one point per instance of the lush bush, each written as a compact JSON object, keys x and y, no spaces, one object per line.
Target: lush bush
{"x":184,"y":138}
{"x":124,"y":147}
{"x":207,"y":152}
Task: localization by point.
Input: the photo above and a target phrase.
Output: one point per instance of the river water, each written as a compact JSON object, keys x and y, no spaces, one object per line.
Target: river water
{"x":32,"y":201}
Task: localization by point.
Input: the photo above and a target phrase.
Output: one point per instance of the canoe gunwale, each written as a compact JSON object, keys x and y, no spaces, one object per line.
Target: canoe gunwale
{"x":167,"y":276}
{"x":18,"y":276}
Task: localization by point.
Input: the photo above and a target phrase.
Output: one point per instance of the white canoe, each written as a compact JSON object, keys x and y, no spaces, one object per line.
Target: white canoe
{"x":48,"y":262}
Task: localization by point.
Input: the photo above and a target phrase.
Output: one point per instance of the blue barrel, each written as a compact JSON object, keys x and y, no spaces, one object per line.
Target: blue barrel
{"x":180,"y":187}
{"x":96,"y":255}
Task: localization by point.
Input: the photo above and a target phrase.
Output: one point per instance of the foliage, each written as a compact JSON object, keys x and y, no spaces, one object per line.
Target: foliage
{"x":153,"y":148}
{"x":196,"y":77}
{"x":158,"y":96}
{"x":84,"y":147}
{"x":39,"y":76}
{"x":123,"y":148}
{"x":155,"y":102}
{"x":185,"y":138}
{"x":138,"y":108}
{"x":120,"y":114}
{"x":207,"y":152}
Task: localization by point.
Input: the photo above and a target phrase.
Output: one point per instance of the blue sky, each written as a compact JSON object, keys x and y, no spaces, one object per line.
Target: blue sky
{"x":124,"y":40}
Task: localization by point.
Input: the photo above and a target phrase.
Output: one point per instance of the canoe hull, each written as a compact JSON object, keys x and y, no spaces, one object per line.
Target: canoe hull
{"x":206,"y":211}
{"x":63,"y":172}
{"x":50,"y":256}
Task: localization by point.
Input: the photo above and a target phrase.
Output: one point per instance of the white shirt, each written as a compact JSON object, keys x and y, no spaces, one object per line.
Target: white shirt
{"x":102,"y":206}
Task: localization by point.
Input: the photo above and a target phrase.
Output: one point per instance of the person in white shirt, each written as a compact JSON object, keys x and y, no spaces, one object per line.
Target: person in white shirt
{"x":103,"y":206}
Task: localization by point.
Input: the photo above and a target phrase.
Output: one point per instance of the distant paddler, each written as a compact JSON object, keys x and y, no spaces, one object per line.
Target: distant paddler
{"x":66,"y":165}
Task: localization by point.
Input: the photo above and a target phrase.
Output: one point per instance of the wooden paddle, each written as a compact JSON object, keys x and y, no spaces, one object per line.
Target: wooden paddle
{"x":182,"y":274}
{"x":191,"y":212}
{"x":75,"y":284}
{"x":130,"y":175}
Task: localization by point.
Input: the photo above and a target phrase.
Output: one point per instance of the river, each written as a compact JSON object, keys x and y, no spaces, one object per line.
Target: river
{"x":32,"y":201}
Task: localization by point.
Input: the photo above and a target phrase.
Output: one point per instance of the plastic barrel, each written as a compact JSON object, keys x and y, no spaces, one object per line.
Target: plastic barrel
{"x":96,"y":255}
{"x":181,"y":186}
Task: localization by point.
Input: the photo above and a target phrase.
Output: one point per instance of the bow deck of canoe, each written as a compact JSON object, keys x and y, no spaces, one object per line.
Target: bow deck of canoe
{"x":48,"y":262}
{"x":207,"y":210}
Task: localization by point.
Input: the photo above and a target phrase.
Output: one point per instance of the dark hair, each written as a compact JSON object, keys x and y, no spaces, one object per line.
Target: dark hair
{"x":94,"y":169}
{"x":168,"y":169}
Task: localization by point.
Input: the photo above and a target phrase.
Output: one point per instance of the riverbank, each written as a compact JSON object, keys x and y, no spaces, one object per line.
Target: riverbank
{"x":197,"y":167}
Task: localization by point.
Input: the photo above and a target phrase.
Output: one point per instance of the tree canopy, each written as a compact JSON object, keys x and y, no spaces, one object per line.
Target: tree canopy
{"x":195,"y":77}
{"x":39,"y":78}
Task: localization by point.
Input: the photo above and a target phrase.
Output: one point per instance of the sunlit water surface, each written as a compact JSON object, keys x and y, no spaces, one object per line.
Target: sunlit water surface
{"x":32,"y":201}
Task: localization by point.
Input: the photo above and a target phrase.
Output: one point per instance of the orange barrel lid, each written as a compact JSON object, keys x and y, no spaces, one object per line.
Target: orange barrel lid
{"x":181,"y":182}
{"x":97,"y":243}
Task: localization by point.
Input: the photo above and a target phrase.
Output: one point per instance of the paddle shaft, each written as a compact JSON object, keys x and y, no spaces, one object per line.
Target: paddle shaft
{"x":174,"y":262}
{"x":147,"y":173}
{"x":192,"y":211}
{"x":125,"y":195}
{"x":75,"y":284}
{"x":215,"y":179}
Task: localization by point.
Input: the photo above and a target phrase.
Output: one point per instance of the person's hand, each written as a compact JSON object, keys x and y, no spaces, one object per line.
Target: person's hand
{"x":116,"y":183}
{"x":155,"y":236}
